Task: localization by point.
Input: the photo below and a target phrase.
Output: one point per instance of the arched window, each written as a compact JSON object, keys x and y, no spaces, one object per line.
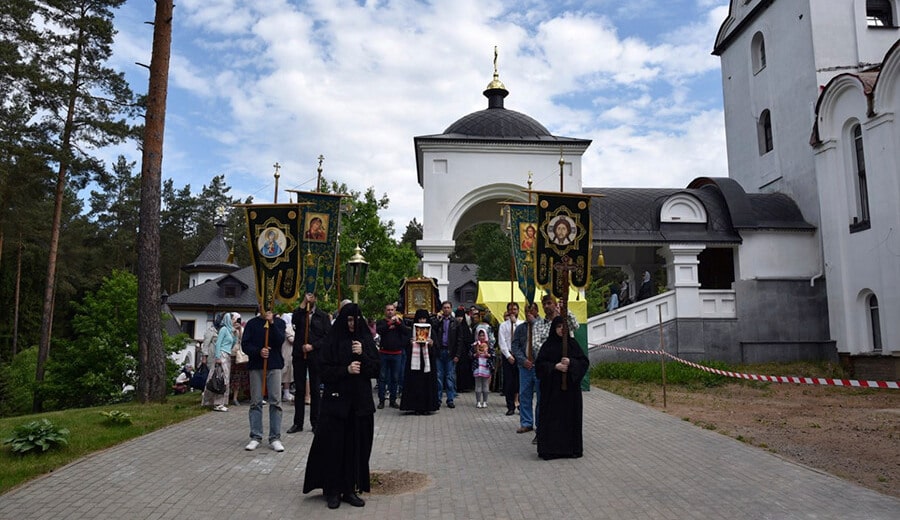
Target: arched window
{"x":874,"y":321}
{"x":758,"y":52}
{"x":879,"y":13}
{"x":764,"y":132}
{"x":860,"y":187}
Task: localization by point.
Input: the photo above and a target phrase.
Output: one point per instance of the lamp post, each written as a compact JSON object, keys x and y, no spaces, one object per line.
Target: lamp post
{"x":357,"y":271}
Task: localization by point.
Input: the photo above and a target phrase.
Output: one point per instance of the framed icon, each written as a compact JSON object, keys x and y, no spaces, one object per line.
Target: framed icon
{"x":271,"y":242}
{"x":315,"y":229}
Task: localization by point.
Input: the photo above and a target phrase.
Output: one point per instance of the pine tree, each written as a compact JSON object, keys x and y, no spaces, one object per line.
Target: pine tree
{"x":152,"y":384}
{"x":85,"y":103}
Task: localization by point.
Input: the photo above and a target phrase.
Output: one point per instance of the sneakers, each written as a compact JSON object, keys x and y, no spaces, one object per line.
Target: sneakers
{"x":287,"y":397}
{"x":252,"y":445}
{"x":220,"y":408}
{"x":450,"y":404}
{"x":277,"y":446}
{"x":480,"y":405}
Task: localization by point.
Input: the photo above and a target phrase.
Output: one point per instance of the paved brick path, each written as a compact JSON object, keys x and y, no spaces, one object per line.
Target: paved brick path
{"x":638,"y":464}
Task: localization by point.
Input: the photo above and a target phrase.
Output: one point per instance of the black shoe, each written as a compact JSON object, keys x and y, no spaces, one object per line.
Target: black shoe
{"x":510,"y":412}
{"x":394,"y":404}
{"x":294,"y":429}
{"x":450,"y":404}
{"x":534,"y":440}
{"x":353,"y":499}
{"x":381,"y":405}
{"x":334,"y":501}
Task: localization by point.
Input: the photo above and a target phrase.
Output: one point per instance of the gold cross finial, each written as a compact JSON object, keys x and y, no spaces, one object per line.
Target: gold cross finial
{"x":277,"y":168}
{"x":319,"y":176}
{"x":495,"y":62}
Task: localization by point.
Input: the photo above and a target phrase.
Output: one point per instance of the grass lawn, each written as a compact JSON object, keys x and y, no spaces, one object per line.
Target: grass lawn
{"x":89,"y":431}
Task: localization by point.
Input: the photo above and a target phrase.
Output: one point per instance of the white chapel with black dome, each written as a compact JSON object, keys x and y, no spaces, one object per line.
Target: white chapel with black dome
{"x":791,"y":254}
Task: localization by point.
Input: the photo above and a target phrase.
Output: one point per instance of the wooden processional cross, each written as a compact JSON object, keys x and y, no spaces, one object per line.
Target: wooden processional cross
{"x":561,"y":281}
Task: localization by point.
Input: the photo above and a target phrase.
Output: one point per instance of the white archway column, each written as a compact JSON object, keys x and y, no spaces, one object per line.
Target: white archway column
{"x":681,"y":268}
{"x":436,"y":262}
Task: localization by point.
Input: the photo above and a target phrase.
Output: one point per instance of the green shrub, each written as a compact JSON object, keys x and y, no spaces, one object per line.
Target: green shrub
{"x":17,"y":383}
{"x":117,"y":417}
{"x":41,"y":434}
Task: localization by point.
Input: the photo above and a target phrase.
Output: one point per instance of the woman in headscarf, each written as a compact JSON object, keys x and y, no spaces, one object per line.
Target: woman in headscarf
{"x":222,"y":356}
{"x":646,"y":289}
{"x":338,"y":460}
{"x":560,"y":410}
{"x":420,"y":373}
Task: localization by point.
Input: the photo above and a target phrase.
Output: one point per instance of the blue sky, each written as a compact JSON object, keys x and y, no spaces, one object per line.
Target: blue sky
{"x":255,"y":82}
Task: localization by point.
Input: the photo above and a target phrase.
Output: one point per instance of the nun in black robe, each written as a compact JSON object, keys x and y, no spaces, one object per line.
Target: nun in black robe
{"x":420,"y":373}
{"x":338,"y":460}
{"x":560,"y":431}
{"x":465,"y":381}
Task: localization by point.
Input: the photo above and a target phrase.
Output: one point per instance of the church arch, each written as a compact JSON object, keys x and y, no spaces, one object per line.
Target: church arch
{"x":481,"y":205}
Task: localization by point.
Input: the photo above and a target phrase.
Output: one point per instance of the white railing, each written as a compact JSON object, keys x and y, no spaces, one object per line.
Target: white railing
{"x":717,"y":304}
{"x":646,"y":314}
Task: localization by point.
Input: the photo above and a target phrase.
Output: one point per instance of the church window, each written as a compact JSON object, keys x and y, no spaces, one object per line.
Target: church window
{"x":874,"y":321}
{"x":758,"y":52}
{"x":683,"y":208}
{"x":188,"y":327}
{"x":879,"y":13}
{"x":764,"y":132}
{"x":860,"y":186}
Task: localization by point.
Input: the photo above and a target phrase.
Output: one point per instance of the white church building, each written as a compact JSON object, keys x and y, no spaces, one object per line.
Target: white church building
{"x":793,"y":253}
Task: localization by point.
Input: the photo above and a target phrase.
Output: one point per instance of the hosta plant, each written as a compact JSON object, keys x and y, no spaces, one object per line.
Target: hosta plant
{"x":117,"y":417}
{"x":41,"y":434}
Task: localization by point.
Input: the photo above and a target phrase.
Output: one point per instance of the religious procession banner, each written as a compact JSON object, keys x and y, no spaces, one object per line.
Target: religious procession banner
{"x":523,"y":237}
{"x":319,"y":238}
{"x":563,"y":241}
{"x":272,"y":231}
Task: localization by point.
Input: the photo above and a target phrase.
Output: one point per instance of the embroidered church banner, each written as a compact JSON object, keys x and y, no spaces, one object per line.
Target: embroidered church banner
{"x":272,"y":232}
{"x":563,"y":241}
{"x":523,"y":237}
{"x":319,"y":237}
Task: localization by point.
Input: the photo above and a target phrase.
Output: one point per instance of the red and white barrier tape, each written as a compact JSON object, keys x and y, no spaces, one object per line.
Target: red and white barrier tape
{"x":771,"y":379}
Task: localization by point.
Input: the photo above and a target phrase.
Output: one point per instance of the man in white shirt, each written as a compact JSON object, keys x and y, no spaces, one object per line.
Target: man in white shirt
{"x":510,"y":371}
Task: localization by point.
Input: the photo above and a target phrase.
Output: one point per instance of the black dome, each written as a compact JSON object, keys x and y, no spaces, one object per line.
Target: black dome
{"x":497,"y":122}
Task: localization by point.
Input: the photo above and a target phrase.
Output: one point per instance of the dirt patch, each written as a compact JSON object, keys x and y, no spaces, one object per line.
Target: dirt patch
{"x":396,"y":482}
{"x":851,"y":433}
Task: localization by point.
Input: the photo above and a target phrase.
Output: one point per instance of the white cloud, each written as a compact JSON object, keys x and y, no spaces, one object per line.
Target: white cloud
{"x":286,"y":81}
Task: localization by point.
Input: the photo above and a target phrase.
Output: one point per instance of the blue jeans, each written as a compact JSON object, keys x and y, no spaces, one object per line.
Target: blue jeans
{"x":446,"y":372}
{"x":528,"y":385}
{"x":273,"y":388}
{"x":391,"y":368}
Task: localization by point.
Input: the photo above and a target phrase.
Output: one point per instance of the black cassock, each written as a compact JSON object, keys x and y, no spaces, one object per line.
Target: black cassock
{"x":420,"y":387}
{"x":339,"y":456}
{"x":560,"y":411}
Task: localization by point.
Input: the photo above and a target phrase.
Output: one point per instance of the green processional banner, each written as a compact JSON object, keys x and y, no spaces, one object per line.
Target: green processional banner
{"x":319,"y":239}
{"x":523,"y":237}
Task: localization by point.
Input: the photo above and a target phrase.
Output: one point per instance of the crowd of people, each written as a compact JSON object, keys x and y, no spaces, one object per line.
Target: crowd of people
{"x":418,"y":365}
